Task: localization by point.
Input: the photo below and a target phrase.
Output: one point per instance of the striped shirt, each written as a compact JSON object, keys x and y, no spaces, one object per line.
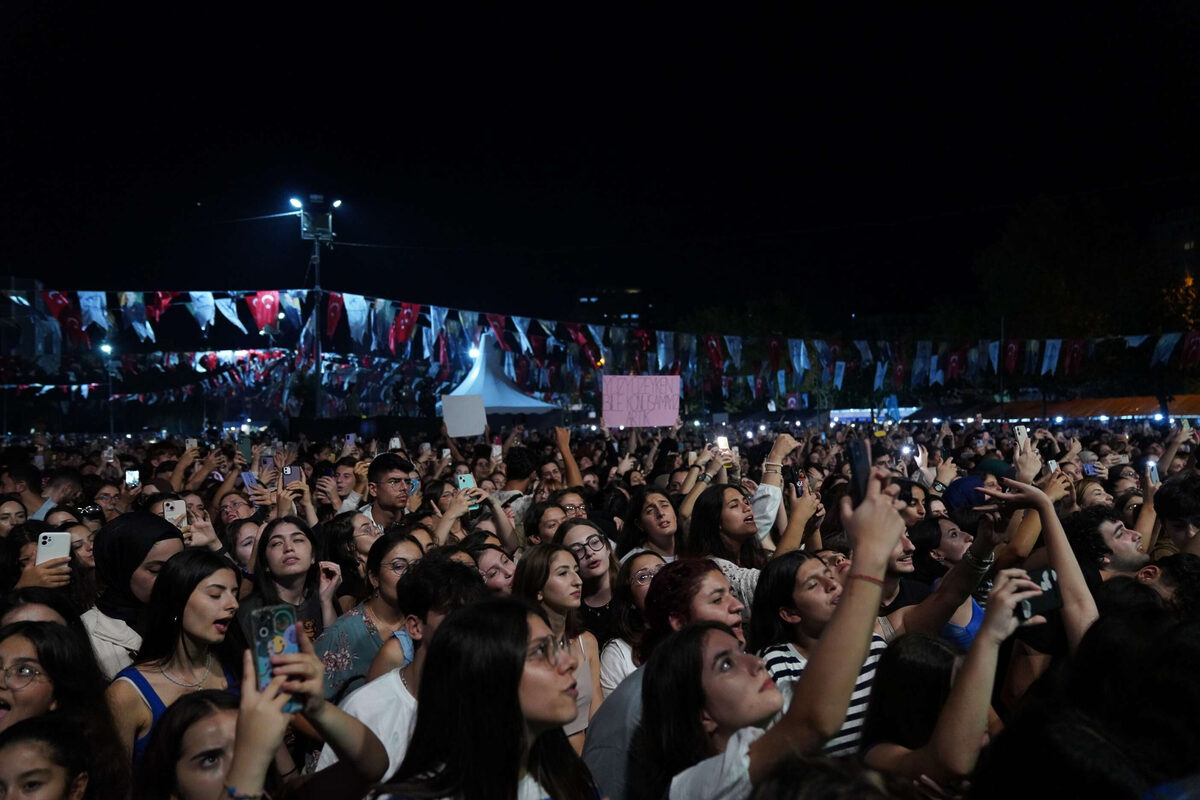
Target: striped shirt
{"x":786,"y":664}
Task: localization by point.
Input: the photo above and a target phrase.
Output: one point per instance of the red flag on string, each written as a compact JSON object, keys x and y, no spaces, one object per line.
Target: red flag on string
{"x":264,"y":307}
{"x":55,"y":302}
{"x":497,"y":322}
{"x":157,"y":303}
{"x":333,"y":313}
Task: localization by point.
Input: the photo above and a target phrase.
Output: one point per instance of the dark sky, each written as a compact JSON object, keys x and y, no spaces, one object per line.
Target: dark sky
{"x":516,"y":158}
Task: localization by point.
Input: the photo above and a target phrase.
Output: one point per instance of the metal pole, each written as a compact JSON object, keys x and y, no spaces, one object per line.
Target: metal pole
{"x":1000,"y":367}
{"x":316,"y":264}
{"x":111,"y":426}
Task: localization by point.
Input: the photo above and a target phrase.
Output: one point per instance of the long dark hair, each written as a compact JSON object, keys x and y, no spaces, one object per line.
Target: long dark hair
{"x":628,"y":623}
{"x":10,"y":550}
{"x":173,"y":588}
{"x":338,"y":535}
{"x":470,"y":736}
{"x":704,"y":532}
{"x":531,"y":574}
{"x":79,"y":691}
{"x":926,"y":535}
{"x":264,"y":581}
{"x":632,"y":534}
{"x":912,"y":682}
{"x":156,"y":778}
{"x":63,"y":741}
{"x":670,"y":737}
{"x":560,"y":536}
{"x":776,"y":589}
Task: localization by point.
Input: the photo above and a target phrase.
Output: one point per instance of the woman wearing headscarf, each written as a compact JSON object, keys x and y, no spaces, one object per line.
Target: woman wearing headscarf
{"x":129,"y":552}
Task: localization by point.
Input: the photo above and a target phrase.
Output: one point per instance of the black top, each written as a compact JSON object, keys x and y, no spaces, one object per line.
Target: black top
{"x":911,"y":592}
{"x":597,"y":620}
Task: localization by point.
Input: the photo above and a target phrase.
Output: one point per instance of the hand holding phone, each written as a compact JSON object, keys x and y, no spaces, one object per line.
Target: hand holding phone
{"x":52,"y":544}
{"x":132,"y":478}
{"x":274,"y":633}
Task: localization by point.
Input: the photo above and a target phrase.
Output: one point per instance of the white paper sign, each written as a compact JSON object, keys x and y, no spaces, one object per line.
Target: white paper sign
{"x":464,"y":414}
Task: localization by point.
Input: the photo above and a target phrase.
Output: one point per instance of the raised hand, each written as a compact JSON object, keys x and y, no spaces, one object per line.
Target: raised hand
{"x":1012,"y":586}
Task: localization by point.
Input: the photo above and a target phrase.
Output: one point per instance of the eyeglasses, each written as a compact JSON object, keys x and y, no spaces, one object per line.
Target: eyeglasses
{"x":593,"y":542}
{"x":106,"y":496}
{"x":547,"y":648}
{"x":644,"y":576}
{"x":231,"y":506}
{"x":18,"y":676}
{"x":571,"y":509}
{"x":372,"y":529}
{"x":399,"y":566}
{"x":89,"y":510}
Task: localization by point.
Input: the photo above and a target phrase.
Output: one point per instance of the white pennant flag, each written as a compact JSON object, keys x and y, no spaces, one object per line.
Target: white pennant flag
{"x":229,"y":311}
{"x":522,"y":326}
{"x":203,"y":308}
{"x":93,"y":309}
{"x":356,"y":315}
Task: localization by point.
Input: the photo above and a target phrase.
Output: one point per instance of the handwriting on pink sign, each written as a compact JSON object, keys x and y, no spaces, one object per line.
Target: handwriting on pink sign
{"x":640,"y":401}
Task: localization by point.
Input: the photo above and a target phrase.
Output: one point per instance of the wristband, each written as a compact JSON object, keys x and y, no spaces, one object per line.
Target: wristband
{"x":772,"y":463}
{"x":980,"y":566}
{"x":705,"y":477}
{"x":939,"y":487}
{"x":233,"y":794}
{"x":867,"y":578}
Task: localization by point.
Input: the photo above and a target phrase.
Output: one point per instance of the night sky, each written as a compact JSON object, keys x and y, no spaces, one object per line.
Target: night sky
{"x":511,"y":160}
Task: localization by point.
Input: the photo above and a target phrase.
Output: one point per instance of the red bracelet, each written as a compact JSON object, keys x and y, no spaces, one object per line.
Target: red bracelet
{"x":867,"y":578}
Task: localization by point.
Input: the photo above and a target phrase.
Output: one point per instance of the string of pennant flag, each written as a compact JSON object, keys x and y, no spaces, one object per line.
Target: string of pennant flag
{"x":555,"y":359}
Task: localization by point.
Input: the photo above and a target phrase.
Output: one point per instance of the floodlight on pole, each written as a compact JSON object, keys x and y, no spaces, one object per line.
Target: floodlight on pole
{"x":337,"y":203}
{"x":106,"y":348}
{"x":295,"y":201}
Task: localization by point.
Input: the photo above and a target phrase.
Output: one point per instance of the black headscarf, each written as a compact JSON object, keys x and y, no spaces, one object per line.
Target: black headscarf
{"x":120,"y":548}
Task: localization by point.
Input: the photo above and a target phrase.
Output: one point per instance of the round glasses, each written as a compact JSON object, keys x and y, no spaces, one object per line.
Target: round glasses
{"x":594,"y":542}
{"x":399,"y":566}
{"x":20,"y":675}
{"x":645,"y":575}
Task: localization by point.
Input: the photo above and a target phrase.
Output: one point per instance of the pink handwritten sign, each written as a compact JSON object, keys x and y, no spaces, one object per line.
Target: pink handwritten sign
{"x":640,"y":401}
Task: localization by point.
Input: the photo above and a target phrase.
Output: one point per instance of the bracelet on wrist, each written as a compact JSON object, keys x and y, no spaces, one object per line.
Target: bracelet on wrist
{"x":867,"y":578}
{"x":233,"y":794}
{"x":704,"y":477}
{"x":772,"y":463}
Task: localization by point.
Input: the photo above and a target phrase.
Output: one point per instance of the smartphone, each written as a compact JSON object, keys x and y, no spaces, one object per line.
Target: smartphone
{"x":1122,"y":459}
{"x":244,"y":445}
{"x":734,"y":450}
{"x":1048,"y":600}
{"x":1089,"y":469}
{"x":175,"y":512}
{"x":467,"y":481}
{"x":249,"y":481}
{"x":268,"y":462}
{"x":1053,"y":465}
{"x":268,"y":451}
{"x":394,"y":443}
{"x":722,"y":442}
{"x":1154,"y":472}
{"x":800,"y":486}
{"x":425,"y":446}
{"x":691,"y":457}
{"x":52,"y":544}
{"x":132,"y":478}
{"x":860,"y":470}
{"x":191,"y":444}
{"x":274,"y":629}
{"x":446,"y":452}
{"x":497,"y":452}
{"x":107,"y":455}
{"x":351,"y":438}
{"x":1022,"y":435}
{"x":291,"y":475}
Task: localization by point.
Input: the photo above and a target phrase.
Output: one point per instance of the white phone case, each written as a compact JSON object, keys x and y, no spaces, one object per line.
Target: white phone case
{"x":52,"y":544}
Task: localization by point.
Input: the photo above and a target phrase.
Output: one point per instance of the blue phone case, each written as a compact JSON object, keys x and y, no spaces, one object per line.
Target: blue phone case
{"x":274,"y":630}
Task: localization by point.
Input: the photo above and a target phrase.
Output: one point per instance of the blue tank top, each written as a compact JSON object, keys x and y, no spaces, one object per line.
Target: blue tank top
{"x":963,"y":635}
{"x":157,"y":707}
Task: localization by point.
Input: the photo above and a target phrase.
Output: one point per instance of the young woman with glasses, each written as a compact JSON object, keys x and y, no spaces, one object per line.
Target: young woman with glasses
{"x":497,"y":691}
{"x":548,"y":574}
{"x":619,"y":657}
{"x":45,"y":666}
{"x":597,"y":567}
{"x":349,"y":538}
{"x":350,"y":644}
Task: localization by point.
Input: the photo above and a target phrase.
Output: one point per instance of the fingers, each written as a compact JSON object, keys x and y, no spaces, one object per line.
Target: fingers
{"x":249,"y":679}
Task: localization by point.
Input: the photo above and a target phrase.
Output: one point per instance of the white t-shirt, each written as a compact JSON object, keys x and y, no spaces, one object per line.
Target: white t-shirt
{"x":529,"y":789}
{"x":725,"y":776}
{"x":616,"y":664}
{"x":385,"y":706}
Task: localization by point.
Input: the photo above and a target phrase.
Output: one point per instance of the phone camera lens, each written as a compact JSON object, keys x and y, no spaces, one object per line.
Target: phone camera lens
{"x":263,"y":633}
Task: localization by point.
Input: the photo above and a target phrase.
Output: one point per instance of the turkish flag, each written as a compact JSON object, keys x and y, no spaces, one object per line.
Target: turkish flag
{"x":1012,"y":354}
{"x":497,"y":322}
{"x":157,"y":303}
{"x":955,"y":364}
{"x":333,"y":314}
{"x":1072,"y":361}
{"x":264,"y":307}
{"x":72,"y":325}
{"x":403,"y":324}
{"x":55,"y":302}
{"x":712,"y":345}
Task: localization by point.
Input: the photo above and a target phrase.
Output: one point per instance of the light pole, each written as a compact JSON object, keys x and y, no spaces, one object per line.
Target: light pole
{"x":106,"y":348}
{"x":316,"y":225}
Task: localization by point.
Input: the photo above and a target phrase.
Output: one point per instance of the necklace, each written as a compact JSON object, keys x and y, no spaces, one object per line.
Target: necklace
{"x":185,"y":685}
{"x":403,"y":675}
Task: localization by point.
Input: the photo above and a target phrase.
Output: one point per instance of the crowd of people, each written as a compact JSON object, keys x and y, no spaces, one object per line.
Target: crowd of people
{"x":910,"y":610}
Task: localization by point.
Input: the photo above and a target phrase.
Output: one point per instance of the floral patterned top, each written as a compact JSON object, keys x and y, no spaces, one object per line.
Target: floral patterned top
{"x":346,"y":648}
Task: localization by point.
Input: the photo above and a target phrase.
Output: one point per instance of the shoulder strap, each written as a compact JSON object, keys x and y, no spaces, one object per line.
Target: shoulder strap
{"x":889,"y":632}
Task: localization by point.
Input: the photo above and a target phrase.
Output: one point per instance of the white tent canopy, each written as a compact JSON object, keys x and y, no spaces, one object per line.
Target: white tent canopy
{"x":500,"y":395}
